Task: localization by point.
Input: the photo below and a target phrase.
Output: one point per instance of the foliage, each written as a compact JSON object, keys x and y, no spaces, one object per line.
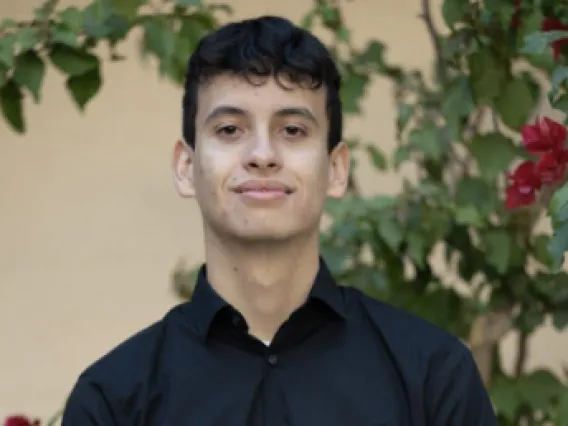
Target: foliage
{"x":449,"y":223}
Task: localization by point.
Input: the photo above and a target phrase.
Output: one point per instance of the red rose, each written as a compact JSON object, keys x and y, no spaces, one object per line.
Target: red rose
{"x":551,"y":167}
{"x":516,"y":19}
{"x":524,"y":183}
{"x":553,"y":24}
{"x":543,"y":136}
{"x":20,"y":421}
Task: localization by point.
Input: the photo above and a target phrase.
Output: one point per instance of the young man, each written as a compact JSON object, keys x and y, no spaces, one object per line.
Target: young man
{"x":268,"y":337}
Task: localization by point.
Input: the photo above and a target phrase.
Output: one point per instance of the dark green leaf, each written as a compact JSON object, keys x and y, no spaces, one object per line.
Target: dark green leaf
{"x":494,"y":153}
{"x":377,"y":157}
{"x":84,"y":87}
{"x":560,"y":319}
{"x":29,"y":72}
{"x":515,"y":103}
{"x":3,"y":74}
{"x":390,"y":230}
{"x":498,"y":246}
{"x":128,"y":8}
{"x":539,"y":389}
{"x":454,"y":11}
{"x":505,"y":397}
{"x":559,"y":244}
{"x":12,"y":108}
{"x":475,"y":191}
{"x":457,"y":105}
{"x":405,"y":112}
{"x":561,"y":415}
{"x":488,"y":75}
{"x":72,"y":61}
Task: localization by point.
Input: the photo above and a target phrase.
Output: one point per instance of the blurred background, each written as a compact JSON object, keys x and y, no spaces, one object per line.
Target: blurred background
{"x":90,"y":225}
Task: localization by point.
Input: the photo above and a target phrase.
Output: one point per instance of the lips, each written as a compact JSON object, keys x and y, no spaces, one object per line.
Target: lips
{"x":263,"y":190}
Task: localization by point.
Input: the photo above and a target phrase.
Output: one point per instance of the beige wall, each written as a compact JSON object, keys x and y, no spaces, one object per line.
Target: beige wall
{"x":90,"y":227}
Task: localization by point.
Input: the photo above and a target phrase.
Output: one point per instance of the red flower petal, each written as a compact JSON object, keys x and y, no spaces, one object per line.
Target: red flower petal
{"x":20,"y":421}
{"x":545,"y":135}
{"x":524,"y":182}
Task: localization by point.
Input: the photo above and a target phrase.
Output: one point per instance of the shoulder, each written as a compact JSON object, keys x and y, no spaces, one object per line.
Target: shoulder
{"x":406,"y":335}
{"x":133,"y":360}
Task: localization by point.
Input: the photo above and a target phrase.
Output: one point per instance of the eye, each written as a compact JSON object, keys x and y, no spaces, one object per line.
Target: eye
{"x":227,"y":130}
{"x":294,"y":131}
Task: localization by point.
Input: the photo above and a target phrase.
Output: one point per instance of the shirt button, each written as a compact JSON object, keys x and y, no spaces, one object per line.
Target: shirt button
{"x":272,"y":359}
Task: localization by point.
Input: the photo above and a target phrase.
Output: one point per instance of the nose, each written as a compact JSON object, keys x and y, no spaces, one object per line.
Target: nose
{"x":262,"y":155}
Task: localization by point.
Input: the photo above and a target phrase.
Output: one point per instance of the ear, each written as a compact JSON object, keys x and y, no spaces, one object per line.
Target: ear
{"x":340,"y":164}
{"x":182,"y":166}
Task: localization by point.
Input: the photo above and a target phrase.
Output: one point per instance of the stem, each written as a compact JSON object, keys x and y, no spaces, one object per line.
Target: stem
{"x":435,"y":38}
{"x":522,"y":349}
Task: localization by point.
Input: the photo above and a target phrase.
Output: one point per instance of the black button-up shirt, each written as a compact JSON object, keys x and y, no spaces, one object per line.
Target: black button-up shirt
{"x":342,"y":359}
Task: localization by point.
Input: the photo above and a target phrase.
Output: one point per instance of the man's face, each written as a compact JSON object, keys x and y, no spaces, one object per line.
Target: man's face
{"x":261,"y":169}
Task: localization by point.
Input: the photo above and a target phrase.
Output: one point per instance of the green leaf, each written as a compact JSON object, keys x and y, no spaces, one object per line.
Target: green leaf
{"x":539,"y":389}
{"x":11,"y":104}
{"x":558,"y":202}
{"x":505,"y":397}
{"x":7,"y":24}
{"x":44,"y":12}
{"x":457,"y":105}
{"x":84,"y":87}
{"x":401,"y":155}
{"x":308,"y":20}
{"x":377,"y":157}
{"x":427,"y":140}
{"x":558,"y":244}
{"x":498,"y":246}
{"x":515,"y":104}
{"x":405,"y":112}
{"x":352,"y":91}
{"x":560,"y":319}
{"x":72,"y":18}
{"x":373,"y":55}
{"x":560,"y":417}
{"x":539,"y":42}
{"x":72,"y":61}
{"x":3,"y":74}
{"x":128,"y":8}
{"x":390,"y":230}
{"x":558,"y":78}
{"x":453,"y":11}
{"x":29,"y":72}
{"x":7,"y":47}
{"x":475,"y":191}
{"x":469,"y":215}
{"x":27,"y":38}
{"x":488,"y":75}
{"x":187,"y":3}
{"x":60,"y":34}
{"x":561,"y":103}
{"x":494,"y":153}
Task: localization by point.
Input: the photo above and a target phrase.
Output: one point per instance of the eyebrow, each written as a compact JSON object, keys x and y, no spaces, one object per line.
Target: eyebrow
{"x":284,"y":112}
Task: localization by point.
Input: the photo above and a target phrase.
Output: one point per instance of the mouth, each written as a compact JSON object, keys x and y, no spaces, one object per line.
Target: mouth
{"x":263,"y":190}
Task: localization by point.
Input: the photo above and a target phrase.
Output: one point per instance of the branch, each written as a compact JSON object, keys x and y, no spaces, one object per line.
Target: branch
{"x":426,"y":16}
{"x":521,"y":353}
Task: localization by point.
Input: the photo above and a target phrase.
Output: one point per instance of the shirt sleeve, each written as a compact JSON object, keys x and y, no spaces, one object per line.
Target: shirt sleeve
{"x":455,"y":392}
{"x":87,"y":406}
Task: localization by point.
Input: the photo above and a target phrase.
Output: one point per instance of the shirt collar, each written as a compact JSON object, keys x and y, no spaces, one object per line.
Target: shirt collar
{"x":206,"y":303}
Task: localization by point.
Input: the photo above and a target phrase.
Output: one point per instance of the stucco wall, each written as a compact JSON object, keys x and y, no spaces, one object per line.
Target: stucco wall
{"x":90,"y":226}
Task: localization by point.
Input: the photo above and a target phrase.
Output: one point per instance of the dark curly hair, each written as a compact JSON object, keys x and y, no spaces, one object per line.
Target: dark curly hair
{"x":266,"y":46}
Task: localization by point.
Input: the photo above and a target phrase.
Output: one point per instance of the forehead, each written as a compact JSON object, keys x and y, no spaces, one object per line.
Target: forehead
{"x":258,"y":95}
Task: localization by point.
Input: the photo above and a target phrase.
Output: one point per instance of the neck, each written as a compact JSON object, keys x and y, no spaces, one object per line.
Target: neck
{"x":265,"y":282}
